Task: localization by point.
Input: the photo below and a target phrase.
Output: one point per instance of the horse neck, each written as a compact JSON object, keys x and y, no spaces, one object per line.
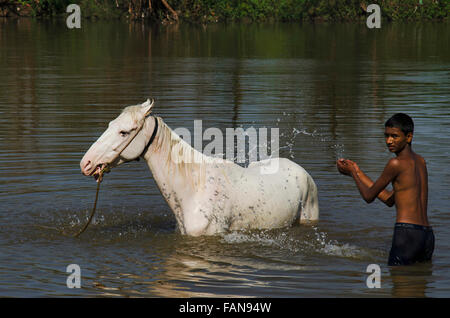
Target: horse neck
{"x":174,"y":174}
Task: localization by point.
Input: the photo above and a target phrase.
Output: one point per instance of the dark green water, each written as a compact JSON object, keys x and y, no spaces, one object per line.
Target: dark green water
{"x":328,"y":88}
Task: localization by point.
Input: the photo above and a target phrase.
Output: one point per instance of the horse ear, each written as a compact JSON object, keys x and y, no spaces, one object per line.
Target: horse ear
{"x":147,"y":106}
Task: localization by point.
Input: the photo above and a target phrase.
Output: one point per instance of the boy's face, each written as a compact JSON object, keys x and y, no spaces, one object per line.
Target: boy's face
{"x":396,"y":140}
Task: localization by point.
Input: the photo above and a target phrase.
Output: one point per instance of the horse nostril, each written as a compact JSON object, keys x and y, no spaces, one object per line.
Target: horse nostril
{"x":87,"y":166}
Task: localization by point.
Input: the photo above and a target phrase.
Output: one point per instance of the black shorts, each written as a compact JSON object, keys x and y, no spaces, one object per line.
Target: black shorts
{"x":411,"y":243}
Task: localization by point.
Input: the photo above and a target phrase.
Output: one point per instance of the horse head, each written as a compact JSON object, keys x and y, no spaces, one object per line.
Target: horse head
{"x":126,"y":138}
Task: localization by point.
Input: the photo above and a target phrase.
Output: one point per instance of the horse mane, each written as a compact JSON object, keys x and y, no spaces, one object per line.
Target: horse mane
{"x":179,"y":156}
{"x":182,"y":157}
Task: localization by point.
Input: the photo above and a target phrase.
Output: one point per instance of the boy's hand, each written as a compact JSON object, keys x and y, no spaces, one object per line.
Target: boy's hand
{"x":346,"y":166}
{"x":354,"y":164}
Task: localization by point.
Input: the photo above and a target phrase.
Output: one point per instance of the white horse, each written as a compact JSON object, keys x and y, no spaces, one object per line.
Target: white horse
{"x":209,"y":195}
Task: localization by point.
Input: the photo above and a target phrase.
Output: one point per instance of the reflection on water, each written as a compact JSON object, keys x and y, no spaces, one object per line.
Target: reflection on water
{"x":412,"y":281}
{"x":233,"y":265}
{"x":328,"y":88}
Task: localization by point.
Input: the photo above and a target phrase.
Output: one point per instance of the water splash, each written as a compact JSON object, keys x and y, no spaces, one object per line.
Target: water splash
{"x":338,"y":148}
{"x":282,"y":240}
{"x":311,"y":243}
{"x":338,"y":151}
{"x":323,"y":245}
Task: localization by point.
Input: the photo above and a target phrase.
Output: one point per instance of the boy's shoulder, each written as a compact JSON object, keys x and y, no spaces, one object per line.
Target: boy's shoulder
{"x":418,"y":159}
{"x":421,"y":159}
{"x":401,"y":163}
{"x":394,"y":163}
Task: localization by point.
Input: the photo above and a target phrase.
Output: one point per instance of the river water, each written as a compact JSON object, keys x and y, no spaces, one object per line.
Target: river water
{"x":329,"y":90}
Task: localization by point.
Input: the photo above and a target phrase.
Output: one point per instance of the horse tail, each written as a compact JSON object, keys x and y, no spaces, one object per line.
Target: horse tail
{"x":310,"y":202}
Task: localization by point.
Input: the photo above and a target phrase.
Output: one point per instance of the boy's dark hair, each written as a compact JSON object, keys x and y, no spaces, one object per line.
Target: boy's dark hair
{"x":401,"y":121}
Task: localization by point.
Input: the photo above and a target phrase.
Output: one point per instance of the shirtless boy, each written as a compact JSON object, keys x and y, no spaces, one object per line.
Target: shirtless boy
{"x":413,"y":239}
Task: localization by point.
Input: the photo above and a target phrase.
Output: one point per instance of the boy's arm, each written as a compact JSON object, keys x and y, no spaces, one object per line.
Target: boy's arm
{"x":385,"y":196}
{"x":367,"y":188}
{"x":369,"y":193}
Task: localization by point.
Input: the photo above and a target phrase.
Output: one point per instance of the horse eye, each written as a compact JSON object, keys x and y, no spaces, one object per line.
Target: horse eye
{"x":124,"y":133}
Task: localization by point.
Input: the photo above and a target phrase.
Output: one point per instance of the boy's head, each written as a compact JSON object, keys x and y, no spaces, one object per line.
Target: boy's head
{"x":402,"y":123}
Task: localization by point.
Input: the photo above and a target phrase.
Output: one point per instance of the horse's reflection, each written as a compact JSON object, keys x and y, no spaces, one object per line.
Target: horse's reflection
{"x":197,"y":267}
{"x":202,"y":270}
